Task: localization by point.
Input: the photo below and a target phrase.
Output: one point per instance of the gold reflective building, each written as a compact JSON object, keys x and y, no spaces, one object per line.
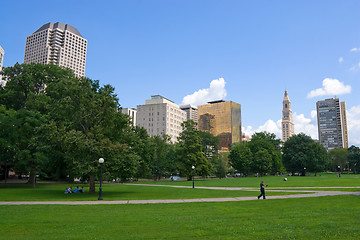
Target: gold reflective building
{"x":222,"y":119}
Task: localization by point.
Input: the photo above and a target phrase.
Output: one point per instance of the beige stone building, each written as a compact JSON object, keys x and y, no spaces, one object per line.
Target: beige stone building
{"x":222,"y":119}
{"x":59,"y":44}
{"x":132,"y":112}
{"x":287,"y":121}
{"x":161,"y":116}
{"x":191,"y":112}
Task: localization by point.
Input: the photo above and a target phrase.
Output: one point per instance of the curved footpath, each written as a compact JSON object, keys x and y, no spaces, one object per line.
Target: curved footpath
{"x":307,"y":193}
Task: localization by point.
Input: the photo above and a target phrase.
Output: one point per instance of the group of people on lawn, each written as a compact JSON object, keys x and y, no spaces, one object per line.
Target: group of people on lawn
{"x":76,"y":190}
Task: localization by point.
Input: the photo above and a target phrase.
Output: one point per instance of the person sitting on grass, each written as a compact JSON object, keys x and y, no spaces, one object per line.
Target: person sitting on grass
{"x":69,"y":190}
{"x":76,"y":190}
{"x":82,"y":190}
{"x":66,"y":191}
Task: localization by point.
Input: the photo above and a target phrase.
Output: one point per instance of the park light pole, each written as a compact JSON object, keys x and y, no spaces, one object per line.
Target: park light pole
{"x":101,"y":161}
{"x":193,"y":171}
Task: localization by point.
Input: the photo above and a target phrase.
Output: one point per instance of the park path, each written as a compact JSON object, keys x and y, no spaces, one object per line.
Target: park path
{"x":307,"y":193}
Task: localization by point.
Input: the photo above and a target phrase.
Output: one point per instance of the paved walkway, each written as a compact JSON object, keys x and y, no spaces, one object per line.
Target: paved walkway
{"x":307,"y":193}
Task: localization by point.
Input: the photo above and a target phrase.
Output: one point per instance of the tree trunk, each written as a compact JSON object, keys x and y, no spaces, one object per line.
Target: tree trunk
{"x":6,"y":173}
{"x":32,"y":178}
{"x":92,"y":185}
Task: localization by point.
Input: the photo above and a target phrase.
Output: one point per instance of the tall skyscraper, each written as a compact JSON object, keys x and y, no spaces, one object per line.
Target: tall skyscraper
{"x":287,"y":121}
{"x":2,"y":52}
{"x":332,"y":123}
{"x":161,"y":116}
{"x":59,"y":44}
{"x":191,"y":112}
{"x":222,"y":119}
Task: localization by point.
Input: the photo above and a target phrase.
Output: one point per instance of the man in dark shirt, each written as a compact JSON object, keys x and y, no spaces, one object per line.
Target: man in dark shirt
{"x":262,"y":190}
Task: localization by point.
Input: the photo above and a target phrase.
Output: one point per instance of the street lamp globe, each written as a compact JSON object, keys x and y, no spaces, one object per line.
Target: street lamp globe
{"x":101,"y":160}
{"x":193,"y":167}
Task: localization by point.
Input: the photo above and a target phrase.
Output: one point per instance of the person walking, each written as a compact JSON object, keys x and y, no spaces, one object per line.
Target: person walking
{"x":262,"y":190}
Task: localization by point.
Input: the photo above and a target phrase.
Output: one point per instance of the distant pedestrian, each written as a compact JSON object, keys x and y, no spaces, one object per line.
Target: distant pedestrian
{"x":262,"y":190}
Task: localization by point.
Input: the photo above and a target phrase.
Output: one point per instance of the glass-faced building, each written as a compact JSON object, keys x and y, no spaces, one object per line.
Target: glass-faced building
{"x":222,"y":119}
{"x":332,"y":123}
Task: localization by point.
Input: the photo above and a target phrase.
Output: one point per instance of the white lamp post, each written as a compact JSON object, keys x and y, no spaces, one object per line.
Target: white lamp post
{"x":101,"y":161}
{"x":193,"y":168}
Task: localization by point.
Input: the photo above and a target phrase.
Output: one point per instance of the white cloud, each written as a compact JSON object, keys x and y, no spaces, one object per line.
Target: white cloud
{"x":301,"y":124}
{"x":341,"y":59}
{"x":330,"y":87}
{"x":216,"y":91}
{"x":353,"y":119}
{"x":306,"y":125}
{"x":355,"y":50}
{"x":269,"y":126}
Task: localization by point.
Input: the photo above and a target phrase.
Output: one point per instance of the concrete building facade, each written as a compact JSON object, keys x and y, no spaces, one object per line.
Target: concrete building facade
{"x":332,"y":123}
{"x":287,"y":121}
{"x":59,"y":44}
{"x":161,"y":116}
{"x":132,"y":114}
{"x":222,"y":119}
{"x":191,"y":112}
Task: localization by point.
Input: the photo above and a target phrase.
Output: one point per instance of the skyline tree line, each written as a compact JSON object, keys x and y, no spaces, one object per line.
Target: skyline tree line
{"x":56,"y":125}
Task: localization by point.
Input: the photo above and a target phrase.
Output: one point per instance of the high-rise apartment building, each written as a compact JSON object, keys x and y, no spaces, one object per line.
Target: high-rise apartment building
{"x":222,"y":119}
{"x":191,"y":112}
{"x":161,"y":116}
{"x":287,"y":121}
{"x":132,"y":114}
{"x":59,"y":44}
{"x":332,"y":123}
{"x":2,"y":52}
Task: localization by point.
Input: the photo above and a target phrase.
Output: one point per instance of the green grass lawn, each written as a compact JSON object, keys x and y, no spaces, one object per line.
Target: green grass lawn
{"x":336,"y":217}
{"x":321,"y":180}
{"x":55,"y":192}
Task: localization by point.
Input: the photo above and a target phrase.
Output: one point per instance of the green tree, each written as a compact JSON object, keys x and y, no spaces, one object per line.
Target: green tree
{"x":209,"y":144}
{"x":268,"y":142}
{"x":262,"y":162}
{"x":338,"y":158}
{"x":8,"y":138}
{"x":241,"y":157}
{"x":354,"y":158}
{"x":302,"y":154}
{"x":189,"y":152}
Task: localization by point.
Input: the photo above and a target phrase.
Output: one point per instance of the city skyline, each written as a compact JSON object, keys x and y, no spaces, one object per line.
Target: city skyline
{"x":195,"y":52}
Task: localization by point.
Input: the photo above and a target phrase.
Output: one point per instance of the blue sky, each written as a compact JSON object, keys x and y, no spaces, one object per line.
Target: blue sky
{"x":254,"y":50}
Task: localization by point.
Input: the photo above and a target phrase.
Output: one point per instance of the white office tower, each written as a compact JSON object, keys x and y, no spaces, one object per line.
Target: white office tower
{"x":287,"y":121}
{"x":132,"y":114}
{"x":2,"y":52}
{"x":191,"y":112}
{"x":59,"y":44}
{"x":161,"y":116}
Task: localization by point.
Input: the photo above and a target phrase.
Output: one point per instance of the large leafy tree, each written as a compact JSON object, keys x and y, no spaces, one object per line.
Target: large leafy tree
{"x":264,"y":141}
{"x":189,"y":152}
{"x":301,"y":154}
{"x":339,"y":157}
{"x":354,"y":157}
{"x":241,"y":157}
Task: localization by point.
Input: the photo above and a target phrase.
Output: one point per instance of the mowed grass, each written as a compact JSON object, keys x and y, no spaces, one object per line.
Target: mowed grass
{"x":55,"y":192}
{"x":335,"y":217}
{"x":321,"y":180}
